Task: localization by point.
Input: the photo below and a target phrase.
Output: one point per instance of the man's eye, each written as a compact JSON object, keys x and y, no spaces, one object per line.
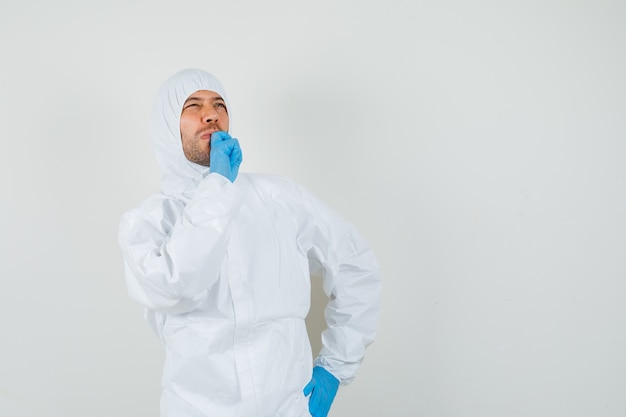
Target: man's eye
{"x":220,"y":105}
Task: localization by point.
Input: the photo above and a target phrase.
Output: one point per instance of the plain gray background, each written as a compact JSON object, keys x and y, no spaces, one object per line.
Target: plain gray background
{"x":478,"y":146}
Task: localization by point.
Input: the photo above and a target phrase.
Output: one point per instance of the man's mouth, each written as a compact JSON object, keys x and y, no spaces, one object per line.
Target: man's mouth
{"x":206,"y":135}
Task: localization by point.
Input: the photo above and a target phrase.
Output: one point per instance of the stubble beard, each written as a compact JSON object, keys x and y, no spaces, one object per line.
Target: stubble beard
{"x":195,"y":151}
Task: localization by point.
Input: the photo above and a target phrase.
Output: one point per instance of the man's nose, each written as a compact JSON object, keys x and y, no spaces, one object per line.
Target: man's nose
{"x":209,"y":115}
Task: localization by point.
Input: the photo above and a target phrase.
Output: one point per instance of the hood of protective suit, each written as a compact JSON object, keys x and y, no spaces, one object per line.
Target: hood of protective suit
{"x":179,"y":176}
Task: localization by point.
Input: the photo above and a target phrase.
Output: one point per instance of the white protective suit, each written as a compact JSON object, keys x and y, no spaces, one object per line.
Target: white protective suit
{"x":223,"y":270}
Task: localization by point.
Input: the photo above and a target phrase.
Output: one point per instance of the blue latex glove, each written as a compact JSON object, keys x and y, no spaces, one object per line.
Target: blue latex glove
{"x":323,"y":388}
{"x":225,"y":155}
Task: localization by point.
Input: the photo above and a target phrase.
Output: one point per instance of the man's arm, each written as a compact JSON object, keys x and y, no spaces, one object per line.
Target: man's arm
{"x":352,"y":283}
{"x":174,"y":254}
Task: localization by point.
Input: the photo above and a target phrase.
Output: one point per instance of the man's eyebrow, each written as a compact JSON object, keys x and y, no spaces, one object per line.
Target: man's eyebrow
{"x":191,"y":98}
{"x":200,"y":99}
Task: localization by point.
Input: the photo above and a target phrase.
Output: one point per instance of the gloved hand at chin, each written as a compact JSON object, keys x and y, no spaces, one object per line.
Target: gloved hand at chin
{"x":225,"y":155}
{"x":323,"y":388}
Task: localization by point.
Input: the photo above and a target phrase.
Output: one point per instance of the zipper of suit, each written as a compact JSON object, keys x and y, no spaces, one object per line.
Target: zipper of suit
{"x":241,"y":306}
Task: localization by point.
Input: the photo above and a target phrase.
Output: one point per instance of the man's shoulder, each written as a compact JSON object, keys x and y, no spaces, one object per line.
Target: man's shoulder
{"x":273,"y":181}
{"x":156,"y":206}
{"x":281,"y":189}
{"x":157,"y":212}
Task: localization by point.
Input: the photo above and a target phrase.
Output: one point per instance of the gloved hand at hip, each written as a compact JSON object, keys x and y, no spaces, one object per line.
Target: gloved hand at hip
{"x":225,"y":155}
{"x":323,"y":388}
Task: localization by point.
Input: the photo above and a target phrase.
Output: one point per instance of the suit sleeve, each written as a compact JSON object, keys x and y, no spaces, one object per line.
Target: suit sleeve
{"x":173,"y":252}
{"x":352,"y":283}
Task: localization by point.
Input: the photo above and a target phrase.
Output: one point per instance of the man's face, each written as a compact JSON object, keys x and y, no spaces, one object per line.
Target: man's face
{"x":204,"y":112}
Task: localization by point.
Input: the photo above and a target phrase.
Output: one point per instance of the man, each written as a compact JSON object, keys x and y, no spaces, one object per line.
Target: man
{"x":222,"y":263}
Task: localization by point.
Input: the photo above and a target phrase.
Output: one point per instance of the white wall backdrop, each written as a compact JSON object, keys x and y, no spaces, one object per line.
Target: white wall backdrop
{"x":478,"y":146}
